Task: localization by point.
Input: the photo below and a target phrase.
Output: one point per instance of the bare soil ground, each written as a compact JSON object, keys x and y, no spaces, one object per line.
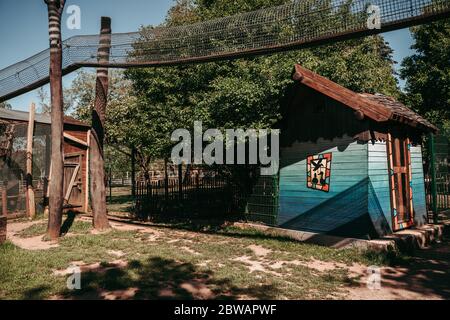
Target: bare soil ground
{"x":141,"y":262}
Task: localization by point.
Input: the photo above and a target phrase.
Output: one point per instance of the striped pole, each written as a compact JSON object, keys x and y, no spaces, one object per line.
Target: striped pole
{"x":97,"y":164}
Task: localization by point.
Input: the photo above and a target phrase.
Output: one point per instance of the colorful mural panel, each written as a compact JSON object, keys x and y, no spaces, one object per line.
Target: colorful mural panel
{"x":319,"y":172}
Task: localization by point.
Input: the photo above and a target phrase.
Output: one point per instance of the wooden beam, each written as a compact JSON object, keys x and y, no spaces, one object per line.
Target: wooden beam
{"x":71,"y":183}
{"x":5,"y":191}
{"x":74,"y":139}
{"x":30,"y":205}
{"x":86,"y":187}
{"x":47,"y":192}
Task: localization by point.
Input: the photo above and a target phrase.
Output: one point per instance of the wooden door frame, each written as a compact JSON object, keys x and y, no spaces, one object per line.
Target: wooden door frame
{"x":398,"y":225}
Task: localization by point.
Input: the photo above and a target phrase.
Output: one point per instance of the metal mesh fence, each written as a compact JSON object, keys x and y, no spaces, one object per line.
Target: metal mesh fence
{"x":13,"y":165}
{"x":293,"y":25}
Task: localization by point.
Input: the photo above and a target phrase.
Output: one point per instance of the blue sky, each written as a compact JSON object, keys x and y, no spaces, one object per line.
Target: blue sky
{"x":28,"y":20}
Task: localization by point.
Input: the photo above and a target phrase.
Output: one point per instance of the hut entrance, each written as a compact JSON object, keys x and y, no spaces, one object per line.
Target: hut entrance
{"x":400,"y":172}
{"x":73,"y":185}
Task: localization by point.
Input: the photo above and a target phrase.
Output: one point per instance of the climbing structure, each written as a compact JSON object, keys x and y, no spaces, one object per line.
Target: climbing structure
{"x":294,"y":25}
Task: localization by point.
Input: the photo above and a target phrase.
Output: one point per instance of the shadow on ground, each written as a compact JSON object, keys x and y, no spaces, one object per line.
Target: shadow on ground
{"x":427,"y":272}
{"x":156,"y":278}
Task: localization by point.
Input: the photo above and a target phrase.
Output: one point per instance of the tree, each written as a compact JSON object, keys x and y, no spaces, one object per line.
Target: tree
{"x":45,"y":104}
{"x":248,"y":92}
{"x":5,"y":105}
{"x":55,"y":9}
{"x":427,"y":73}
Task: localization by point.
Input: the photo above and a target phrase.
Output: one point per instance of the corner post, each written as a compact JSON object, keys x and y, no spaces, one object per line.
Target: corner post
{"x":434,"y":204}
{"x":31,"y":208}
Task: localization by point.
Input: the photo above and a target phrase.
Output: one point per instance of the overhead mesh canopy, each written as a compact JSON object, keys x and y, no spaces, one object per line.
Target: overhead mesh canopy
{"x":293,"y":25}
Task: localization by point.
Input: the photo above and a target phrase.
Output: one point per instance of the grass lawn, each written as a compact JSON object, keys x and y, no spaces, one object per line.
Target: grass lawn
{"x":120,"y":200}
{"x":167,"y":262}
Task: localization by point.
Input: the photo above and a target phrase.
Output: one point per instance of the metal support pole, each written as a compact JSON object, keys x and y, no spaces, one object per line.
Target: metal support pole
{"x":434,"y":204}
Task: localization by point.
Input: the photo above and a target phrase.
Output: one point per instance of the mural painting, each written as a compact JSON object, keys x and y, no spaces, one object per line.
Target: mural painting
{"x":319,"y":172}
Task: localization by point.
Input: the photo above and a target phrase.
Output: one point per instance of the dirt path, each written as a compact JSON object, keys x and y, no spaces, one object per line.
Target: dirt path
{"x":426,"y":277}
{"x":31,"y":243}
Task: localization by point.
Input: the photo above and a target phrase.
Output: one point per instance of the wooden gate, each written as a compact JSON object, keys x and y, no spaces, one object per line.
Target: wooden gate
{"x":73,"y":182}
{"x":400,"y":182}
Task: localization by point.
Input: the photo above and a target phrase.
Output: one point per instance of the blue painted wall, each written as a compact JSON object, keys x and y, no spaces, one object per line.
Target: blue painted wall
{"x":358,"y":203}
{"x":343,"y":210}
{"x":379,"y":204}
{"x":418,"y":185}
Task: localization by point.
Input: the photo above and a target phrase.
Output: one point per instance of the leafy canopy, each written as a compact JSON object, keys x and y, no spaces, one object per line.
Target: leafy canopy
{"x":427,"y":73}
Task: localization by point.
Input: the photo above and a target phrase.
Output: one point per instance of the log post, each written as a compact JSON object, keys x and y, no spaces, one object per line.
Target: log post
{"x":86,"y":187}
{"x":30,"y":204}
{"x":5,"y":190}
{"x":55,"y":10}
{"x":3,"y":224}
{"x":97,"y":165}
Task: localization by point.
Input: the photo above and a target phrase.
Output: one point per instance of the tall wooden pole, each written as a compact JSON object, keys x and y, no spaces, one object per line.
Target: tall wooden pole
{"x":97,"y":165}
{"x":55,"y":10}
{"x":31,"y":207}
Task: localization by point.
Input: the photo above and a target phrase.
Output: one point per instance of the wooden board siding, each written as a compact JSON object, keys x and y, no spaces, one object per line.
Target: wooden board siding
{"x":418,"y":186}
{"x":343,"y":210}
{"x":379,"y":194}
{"x":71,"y":147}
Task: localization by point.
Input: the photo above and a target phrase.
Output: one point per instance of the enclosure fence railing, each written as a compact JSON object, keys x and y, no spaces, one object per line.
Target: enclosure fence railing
{"x":293,"y":25}
{"x":208,"y":196}
{"x":437,"y":176}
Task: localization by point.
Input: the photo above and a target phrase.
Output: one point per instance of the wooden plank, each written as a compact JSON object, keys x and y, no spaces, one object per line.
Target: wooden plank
{"x":86,"y":187}
{"x":30,"y":204}
{"x":75,"y":139}
{"x":72,"y":182}
{"x":3,"y":224}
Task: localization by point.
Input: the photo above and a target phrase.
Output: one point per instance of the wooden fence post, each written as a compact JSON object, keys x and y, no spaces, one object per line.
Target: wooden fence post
{"x":3,"y":224}
{"x":30,"y":205}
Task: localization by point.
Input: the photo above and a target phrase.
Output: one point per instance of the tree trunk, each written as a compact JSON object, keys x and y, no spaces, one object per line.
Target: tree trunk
{"x":55,"y":9}
{"x":97,"y":165}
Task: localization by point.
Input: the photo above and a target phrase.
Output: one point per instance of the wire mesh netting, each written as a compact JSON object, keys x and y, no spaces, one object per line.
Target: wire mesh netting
{"x":13,"y":146}
{"x":293,"y":25}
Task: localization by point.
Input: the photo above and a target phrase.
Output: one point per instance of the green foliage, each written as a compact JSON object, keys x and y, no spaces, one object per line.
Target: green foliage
{"x":245,"y":93}
{"x":148,"y":104}
{"x":5,"y":105}
{"x":427,"y":73}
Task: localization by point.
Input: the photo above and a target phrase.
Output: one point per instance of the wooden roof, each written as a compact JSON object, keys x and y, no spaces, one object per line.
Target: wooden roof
{"x":376,"y":107}
{"x":23,"y":116}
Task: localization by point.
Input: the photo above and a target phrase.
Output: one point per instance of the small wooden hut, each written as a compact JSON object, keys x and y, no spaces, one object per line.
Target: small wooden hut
{"x":351,"y":164}
{"x":13,"y":133}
